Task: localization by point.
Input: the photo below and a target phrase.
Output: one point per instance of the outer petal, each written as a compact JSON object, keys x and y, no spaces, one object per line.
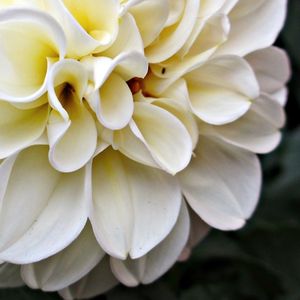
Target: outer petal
{"x":53,"y":207}
{"x":19,"y":128}
{"x":134,"y":206}
{"x":30,"y":34}
{"x":158,"y":261}
{"x":254,"y":25}
{"x":97,"y":282}
{"x":257,"y":130}
{"x":164,"y":135}
{"x":272,"y":68}
{"x":10,"y":276}
{"x":221,"y":90}
{"x":66,"y":267}
{"x":222,"y":184}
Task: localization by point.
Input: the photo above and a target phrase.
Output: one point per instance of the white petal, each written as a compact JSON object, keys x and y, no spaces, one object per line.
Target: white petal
{"x":222,"y":184}
{"x":98,"y":281}
{"x":19,"y":128}
{"x":66,"y":267}
{"x":257,"y":130}
{"x":175,"y":38}
{"x":28,"y":38}
{"x":134,"y":206}
{"x":221,"y":90}
{"x":150,"y":27}
{"x":254,"y":25}
{"x":158,"y":261}
{"x":71,"y":128}
{"x":272,"y":68}
{"x":165,"y":136}
{"x":10,"y":276}
{"x":49,"y":214}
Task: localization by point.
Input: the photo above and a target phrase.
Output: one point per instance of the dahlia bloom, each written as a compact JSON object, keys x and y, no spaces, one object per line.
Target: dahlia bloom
{"x":127,"y":130}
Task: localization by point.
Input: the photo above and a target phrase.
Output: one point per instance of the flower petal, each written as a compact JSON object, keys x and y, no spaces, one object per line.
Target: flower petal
{"x":159,"y":260}
{"x":254,"y":25}
{"x":272,"y":68}
{"x":211,"y":187}
{"x":66,"y":267}
{"x":164,"y":135}
{"x":39,"y":37}
{"x":53,"y":206}
{"x":98,"y":281}
{"x":19,"y":128}
{"x":257,"y":130}
{"x":221,"y":90}
{"x":134,"y":206}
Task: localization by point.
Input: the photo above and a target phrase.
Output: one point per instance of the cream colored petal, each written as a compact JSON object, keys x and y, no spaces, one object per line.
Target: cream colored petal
{"x":97,"y":282}
{"x":164,"y":135}
{"x":134,"y":206}
{"x":158,"y":261}
{"x":19,"y":128}
{"x":28,"y":38}
{"x":257,"y":130}
{"x":221,"y":90}
{"x":173,"y":38}
{"x":10,"y":276}
{"x":71,"y":128}
{"x":150,"y":27}
{"x":222,"y":184}
{"x":254,"y":25}
{"x":128,"y":39}
{"x":53,"y":206}
{"x":272,"y":68}
{"x":66,"y":267}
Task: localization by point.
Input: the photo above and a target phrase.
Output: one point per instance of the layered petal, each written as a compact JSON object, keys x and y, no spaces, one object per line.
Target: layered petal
{"x":96,"y":282}
{"x":153,"y":265}
{"x":134,"y":206}
{"x":19,"y":128}
{"x":29,"y":39}
{"x":53,"y":206}
{"x":164,"y":135}
{"x":211,"y":188}
{"x":221,"y":90}
{"x":66,"y":267}
{"x":71,"y":128}
{"x":254,"y":25}
{"x":10,"y":276}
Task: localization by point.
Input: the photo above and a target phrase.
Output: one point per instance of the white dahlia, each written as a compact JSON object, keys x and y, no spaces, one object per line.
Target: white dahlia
{"x":127,"y":130}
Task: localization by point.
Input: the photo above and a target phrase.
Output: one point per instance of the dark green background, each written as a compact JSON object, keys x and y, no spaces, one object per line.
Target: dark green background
{"x":260,"y":262}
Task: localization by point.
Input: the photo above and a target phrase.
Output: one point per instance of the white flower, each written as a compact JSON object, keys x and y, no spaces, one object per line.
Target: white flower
{"x":127,"y":130}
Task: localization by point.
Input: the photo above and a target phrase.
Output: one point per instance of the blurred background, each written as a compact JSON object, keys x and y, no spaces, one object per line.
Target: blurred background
{"x":259,"y":262}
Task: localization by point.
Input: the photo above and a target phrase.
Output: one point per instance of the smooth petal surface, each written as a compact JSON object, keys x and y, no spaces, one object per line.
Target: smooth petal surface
{"x":271,"y":67}
{"x":257,"y":130}
{"x":254,"y":25}
{"x":28,"y":38}
{"x":221,"y":91}
{"x":53,"y":207}
{"x":66,"y":267}
{"x":98,"y":281}
{"x":211,"y":188}
{"x":19,"y":128}
{"x":134,"y":206}
{"x":158,"y":261}
{"x":164,"y":135}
